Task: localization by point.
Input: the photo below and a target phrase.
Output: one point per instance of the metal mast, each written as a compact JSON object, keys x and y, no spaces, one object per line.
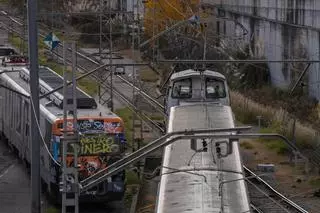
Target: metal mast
{"x":110,"y":60}
{"x":69,"y":177}
{"x":34,"y":89}
{"x":100,"y":26}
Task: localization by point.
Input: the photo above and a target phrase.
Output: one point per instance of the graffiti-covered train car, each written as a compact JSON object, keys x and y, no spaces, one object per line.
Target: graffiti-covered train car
{"x":101,"y":132}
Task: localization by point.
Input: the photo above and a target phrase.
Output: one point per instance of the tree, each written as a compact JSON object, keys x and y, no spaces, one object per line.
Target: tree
{"x":164,"y":13}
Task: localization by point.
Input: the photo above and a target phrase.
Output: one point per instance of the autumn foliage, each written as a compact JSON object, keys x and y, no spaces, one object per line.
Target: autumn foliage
{"x":160,"y":14}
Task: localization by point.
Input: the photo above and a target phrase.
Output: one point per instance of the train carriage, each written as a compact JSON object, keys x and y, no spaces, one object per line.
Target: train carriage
{"x":193,"y":171}
{"x":101,"y":131}
{"x":192,"y":174}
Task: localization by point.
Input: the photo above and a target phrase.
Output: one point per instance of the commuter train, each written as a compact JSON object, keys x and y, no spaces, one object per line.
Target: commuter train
{"x":195,"y":173}
{"x":189,"y":86}
{"x":102,"y":132}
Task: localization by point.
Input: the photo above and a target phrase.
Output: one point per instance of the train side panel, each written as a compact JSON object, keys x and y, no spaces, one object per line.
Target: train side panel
{"x":14,"y":116}
{"x":15,"y":125}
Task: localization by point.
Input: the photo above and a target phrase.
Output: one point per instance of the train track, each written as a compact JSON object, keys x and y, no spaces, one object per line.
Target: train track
{"x":265,"y":199}
{"x":86,"y":63}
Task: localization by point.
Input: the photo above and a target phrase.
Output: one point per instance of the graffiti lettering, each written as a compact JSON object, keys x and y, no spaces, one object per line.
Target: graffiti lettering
{"x":112,"y":127}
{"x":96,"y":126}
{"x":85,"y":125}
{"x":96,"y":145}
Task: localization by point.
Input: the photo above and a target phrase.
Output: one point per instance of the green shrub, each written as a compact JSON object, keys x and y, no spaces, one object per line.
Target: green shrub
{"x":52,"y":210}
{"x":277,"y":145}
{"x":131,"y":178}
{"x":126,"y":115}
{"x":274,"y":144}
{"x":246,"y":145}
{"x":315,"y":182}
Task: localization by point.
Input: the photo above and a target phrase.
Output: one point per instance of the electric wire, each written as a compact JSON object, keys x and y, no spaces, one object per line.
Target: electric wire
{"x":38,"y":125}
{"x":42,"y":138}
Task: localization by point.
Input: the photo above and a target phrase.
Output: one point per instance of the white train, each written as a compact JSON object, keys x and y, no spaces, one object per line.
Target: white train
{"x":193,"y":170}
{"x":189,"y":86}
{"x":102,"y":131}
{"x":190,"y":177}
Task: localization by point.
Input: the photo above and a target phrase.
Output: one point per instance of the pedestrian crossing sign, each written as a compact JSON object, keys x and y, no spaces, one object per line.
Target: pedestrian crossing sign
{"x":51,"y":40}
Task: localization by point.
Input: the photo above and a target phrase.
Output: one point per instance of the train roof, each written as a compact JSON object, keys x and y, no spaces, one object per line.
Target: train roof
{"x":199,"y":192}
{"x":191,"y":72}
{"x":208,"y":115}
{"x":55,"y":110}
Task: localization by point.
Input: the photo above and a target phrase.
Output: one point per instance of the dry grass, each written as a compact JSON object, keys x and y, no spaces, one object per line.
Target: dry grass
{"x":246,"y":145}
{"x":285,"y":173}
{"x":247,"y":110}
{"x":147,"y":75}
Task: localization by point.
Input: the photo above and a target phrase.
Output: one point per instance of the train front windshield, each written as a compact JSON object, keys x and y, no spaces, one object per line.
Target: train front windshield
{"x":182,"y":89}
{"x":215,"y":88}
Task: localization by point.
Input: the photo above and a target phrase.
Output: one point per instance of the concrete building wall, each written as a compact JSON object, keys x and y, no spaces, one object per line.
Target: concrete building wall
{"x":280,"y":29}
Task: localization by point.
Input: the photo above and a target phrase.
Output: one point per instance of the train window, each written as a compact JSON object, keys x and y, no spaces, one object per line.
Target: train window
{"x":215,"y":88}
{"x":48,"y":133}
{"x":11,"y":108}
{"x":27,"y":130}
{"x":6,"y":51}
{"x":182,"y":89}
{"x":19,"y":114}
{"x":26,"y":116}
{"x":60,"y":125}
{"x":26,"y":111}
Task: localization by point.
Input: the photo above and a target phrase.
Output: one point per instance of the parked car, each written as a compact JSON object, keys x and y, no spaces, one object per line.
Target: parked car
{"x":15,"y":60}
{"x":6,"y":51}
{"x":120,"y":71}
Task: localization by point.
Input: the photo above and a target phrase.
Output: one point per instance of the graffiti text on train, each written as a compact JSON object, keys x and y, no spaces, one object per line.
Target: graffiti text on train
{"x":96,"y":145}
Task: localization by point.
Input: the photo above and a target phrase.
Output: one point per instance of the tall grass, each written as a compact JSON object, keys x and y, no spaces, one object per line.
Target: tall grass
{"x":273,"y":120}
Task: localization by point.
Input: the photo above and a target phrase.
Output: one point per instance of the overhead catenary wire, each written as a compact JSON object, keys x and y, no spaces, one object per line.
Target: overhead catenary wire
{"x":41,"y":135}
{"x":38,"y":125}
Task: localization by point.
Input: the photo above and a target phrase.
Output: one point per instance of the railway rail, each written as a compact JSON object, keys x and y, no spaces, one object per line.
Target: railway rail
{"x":86,"y":64}
{"x":265,"y":199}
{"x":260,"y":202}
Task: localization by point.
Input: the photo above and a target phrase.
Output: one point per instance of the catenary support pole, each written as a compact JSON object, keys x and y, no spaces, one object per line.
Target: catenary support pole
{"x":100,"y":26}
{"x":34,"y":88}
{"x":110,"y":60}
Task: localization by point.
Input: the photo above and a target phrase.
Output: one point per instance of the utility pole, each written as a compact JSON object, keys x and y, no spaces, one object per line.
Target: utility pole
{"x":100,"y":34}
{"x":153,"y":30}
{"x":110,"y":60}
{"x":34,"y":91}
{"x":134,"y":117}
{"x":138,"y":21}
{"x":69,"y":177}
{"x":136,"y":139}
{"x":23,"y":29}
